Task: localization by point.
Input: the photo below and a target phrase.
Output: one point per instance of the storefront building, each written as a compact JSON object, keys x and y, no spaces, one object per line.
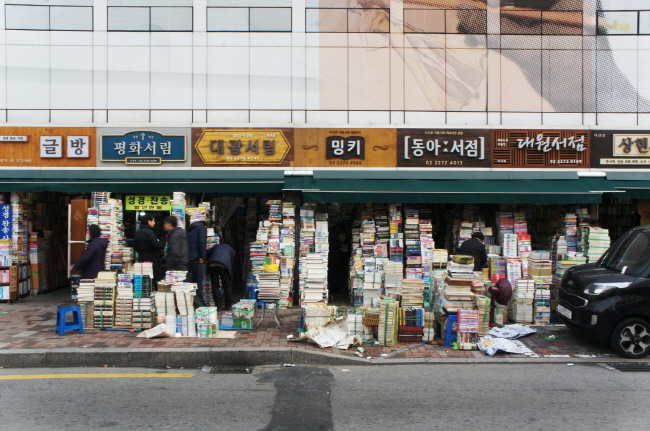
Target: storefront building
{"x":507,"y":106}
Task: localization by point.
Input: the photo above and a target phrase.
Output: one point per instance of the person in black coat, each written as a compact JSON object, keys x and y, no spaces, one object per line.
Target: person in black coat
{"x":177,"y":256}
{"x":147,"y":246}
{"x":475,"y":247}
{"x":197,"y":238}
{"x":221,"y":261}
{"x":92,"y":261}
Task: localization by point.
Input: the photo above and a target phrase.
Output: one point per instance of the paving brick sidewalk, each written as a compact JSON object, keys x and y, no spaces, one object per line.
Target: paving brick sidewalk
{"x":29,"y":324}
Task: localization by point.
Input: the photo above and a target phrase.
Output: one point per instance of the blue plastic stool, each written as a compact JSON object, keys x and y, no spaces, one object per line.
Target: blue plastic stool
{"x":451,"y":320}
{"x":61,"y":324}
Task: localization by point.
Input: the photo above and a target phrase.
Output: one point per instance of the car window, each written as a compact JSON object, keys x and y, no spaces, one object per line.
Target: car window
{"x":633,"y":257}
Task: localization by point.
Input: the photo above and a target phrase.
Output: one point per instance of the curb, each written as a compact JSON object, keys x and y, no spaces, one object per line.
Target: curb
{"x":199,"y":357}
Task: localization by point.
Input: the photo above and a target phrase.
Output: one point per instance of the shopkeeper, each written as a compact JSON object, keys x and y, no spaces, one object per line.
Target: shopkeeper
{"x":474,"y":247}
{"x":92,"y":261}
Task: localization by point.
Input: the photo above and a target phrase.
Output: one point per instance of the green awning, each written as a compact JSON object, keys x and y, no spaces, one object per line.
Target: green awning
{"x":578,"y":191}
{"x":149,"y":181}
{"x":441,"y":174}
{"x":633,"y":189}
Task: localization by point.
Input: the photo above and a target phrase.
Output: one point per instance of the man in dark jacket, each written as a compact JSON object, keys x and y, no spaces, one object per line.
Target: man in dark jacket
{"x":221,"y":260}
{"x":197,"y":238}
{"x":92,"y":261}
{"x":147,"y":246}
{"x":475,"y":247}
{"x":176,"y":257}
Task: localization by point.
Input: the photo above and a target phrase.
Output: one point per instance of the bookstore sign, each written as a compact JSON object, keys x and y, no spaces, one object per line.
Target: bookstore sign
{"x":148,"y":202}
{"x":345,"y":148}
{"x":142,"y":147}
{"x":541,"y":149}
{"x":620,"y":149}
{"x":440,"y":148}
{"x":241,"y":147}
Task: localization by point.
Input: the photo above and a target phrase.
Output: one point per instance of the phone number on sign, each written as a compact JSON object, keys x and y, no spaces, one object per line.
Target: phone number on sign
{"x":444,"y":163}
{"x":345,"y":162}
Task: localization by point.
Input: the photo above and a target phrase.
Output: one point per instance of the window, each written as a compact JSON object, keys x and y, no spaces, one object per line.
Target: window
{"x":541,"y":22}
{"x":622,"y":22}
{"x":357,"y":20}
{"x":267,"y":19}
{"x":150,"y":18}
{"x":467,"y":21}
{"x":68,"y":18}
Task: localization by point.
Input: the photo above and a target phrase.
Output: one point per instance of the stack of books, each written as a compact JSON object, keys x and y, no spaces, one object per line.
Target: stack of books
{"x":393,"y":275}
{"x":520,"y":309}
{"x":388,"y":325}
{"x":412,"y":292}
{"x":104,"y":300}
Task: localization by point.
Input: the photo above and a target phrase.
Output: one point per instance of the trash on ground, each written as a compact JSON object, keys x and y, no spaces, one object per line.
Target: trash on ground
{"x":491,"y":345}
{"x":512,"y":332}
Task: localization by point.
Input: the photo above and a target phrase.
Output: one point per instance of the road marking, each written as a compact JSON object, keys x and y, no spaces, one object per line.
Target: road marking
{"x":91,"y":376}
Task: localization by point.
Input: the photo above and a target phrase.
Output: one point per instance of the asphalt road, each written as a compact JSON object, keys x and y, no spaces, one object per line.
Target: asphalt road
{"x":418,"y":397}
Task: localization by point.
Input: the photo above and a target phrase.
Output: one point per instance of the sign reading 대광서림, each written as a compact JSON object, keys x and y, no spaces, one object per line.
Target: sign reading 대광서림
{"x":242,"y":147}
{"x":148,"y":203}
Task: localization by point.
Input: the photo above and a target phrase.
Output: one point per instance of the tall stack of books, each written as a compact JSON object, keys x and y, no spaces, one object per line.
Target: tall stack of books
{"x":571,"y":231}
{"x":427,"y":245}
{"x":382,"y":233}
{"x":457,"y":291}
{"x":314,"y":286}
{"x":412,"y":292}
{"x":104,"y":300}
{"x":412,"y":243}
{"x":388,"y":322}
{"x":396,"y":233}
{"x":597,"y":243}
{"x":86,"y":301}
{"x":513,"y":269}
{"x":411,"y":324}
{"x":372,"y":286}
{"x":393,"y":275}
{"x":468,"y":325}
{"x":124,"y":301}
{"x":287,"y":251}
{"x":520,"y":309}
{"x":483,"y":308}
{"x":307,"y":242}
{"x":142,"y":316}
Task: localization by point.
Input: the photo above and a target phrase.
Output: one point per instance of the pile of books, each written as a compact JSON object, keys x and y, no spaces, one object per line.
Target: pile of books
{"x":412,"y":292}
{"x":468,"y":325}
{"x":520,"y":309}
{"x":104,"y":300}
{"x":388,"y":325}
{"x":393,"y":275}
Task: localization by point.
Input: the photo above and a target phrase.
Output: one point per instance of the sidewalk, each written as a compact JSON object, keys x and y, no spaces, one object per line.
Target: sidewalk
{"x":27,"y":336}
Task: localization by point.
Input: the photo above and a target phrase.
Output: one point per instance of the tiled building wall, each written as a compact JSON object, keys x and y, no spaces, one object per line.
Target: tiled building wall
{"x":318,"y":62}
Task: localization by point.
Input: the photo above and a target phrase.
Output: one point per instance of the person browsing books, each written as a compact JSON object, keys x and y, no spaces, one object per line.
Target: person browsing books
{"x":221,"y":260}
{"x":474,"y":247}
{"x":92,"y":261}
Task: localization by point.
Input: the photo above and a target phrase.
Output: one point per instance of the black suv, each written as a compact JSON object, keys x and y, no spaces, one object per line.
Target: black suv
{"x":609,"y":301}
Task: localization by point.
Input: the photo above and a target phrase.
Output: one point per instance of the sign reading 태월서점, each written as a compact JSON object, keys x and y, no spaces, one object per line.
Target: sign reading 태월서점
{"x":345,"y":148}
{"x":443,"y":148}
{"x":148,"y":202}
{"x":143,"y":147}
{"x":240,"y":147}
{"x":541,"y":149}
{"x":620,"y":149}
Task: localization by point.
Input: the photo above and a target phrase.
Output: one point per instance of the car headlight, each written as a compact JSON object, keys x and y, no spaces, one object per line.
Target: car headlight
{"x":598,"y":288}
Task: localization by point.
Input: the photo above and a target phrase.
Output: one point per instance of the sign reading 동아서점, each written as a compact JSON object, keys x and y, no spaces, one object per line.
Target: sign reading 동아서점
{"x":148,"y":202}
{"x":329,"y":147}
{"x":441,"y":148}
{"x":143,"y":147}
{"x":236,"y":147}
{"x":541,"y":149}
{"x":620,"y":149}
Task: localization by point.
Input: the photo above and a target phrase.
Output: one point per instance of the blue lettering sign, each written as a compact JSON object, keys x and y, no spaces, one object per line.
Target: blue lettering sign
{"x":143,"y":147}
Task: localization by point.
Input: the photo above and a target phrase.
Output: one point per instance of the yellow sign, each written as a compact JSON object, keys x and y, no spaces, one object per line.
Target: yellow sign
{"x":242,"y":147}
{"x":148,"y":203}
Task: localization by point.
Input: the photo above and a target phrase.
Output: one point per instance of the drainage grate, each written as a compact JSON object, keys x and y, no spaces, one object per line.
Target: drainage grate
{"x":231,"y":370}
{"x":631,"y":367}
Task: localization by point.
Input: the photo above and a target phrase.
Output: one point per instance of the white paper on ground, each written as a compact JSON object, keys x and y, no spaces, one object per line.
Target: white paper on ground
{"x":491,"y":345}
{"x":512,"y":332}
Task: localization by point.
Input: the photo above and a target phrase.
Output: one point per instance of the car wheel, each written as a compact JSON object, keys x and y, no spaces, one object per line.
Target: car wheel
{"x":631,"y":338}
